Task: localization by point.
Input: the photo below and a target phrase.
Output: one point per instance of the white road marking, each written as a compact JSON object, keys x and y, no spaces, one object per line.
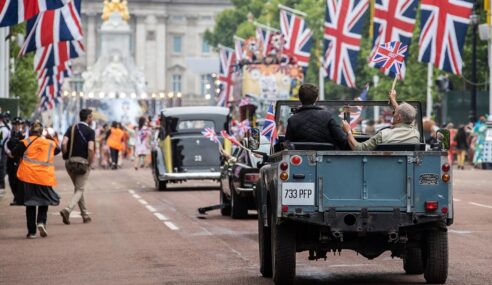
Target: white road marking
{"x":161,"y":216}
{"x":136,"y":196}
{"x":143,"y":202}
{"x":131,"y":191}
{"x":480,"y":205}
{"x":456,"y":200}
{"x":171,"y":226}
{"x":460,"y":232}
{"x":150,"y":208}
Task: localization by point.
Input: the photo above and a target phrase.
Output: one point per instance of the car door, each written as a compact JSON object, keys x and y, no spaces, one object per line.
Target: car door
{"x":237,"y":169}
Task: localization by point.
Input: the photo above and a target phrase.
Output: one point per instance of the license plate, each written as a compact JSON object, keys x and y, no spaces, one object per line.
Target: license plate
{"x":299,"y":194}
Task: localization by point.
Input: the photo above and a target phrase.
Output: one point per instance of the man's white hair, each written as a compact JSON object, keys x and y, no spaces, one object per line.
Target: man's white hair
{"x":407,"y":113}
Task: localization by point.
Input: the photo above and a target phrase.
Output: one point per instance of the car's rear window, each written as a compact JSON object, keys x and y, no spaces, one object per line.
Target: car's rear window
{"x":188,"y":125}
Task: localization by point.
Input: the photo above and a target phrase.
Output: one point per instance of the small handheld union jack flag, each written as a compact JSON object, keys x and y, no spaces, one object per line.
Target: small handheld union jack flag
{"x":211,"y":135}
{"x":390,"y":56}
{"x":270,"y":127}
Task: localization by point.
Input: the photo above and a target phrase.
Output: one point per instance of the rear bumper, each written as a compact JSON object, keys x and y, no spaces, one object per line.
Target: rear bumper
{"x":189,"y":176}
{"x":366,"y":221}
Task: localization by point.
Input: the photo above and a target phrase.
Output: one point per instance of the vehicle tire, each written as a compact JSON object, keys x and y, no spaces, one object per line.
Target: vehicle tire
{"x":283,"y":243}
{"x":264,"y":244}
{"x":436,"y":257}
{"x":238,"y":207}
{"x":226,"y":210}
{"x":413,"y":262}
{"x":160,"y":185}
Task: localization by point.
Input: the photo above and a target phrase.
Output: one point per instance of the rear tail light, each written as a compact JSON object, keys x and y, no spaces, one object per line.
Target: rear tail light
{"x":251,"y":177}
{"x":296,"y":160}
{"x":284,"y":166}
{"x":284,"y":176}
{"x":285,"y":208}
{"x":444,"y":210}
{"x":446,"y":167}
{"x":431,"y":206}
{"x":445,"y":177}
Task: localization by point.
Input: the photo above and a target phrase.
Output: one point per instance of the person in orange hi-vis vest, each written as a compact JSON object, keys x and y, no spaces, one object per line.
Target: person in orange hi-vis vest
{"x":37,"y":174}
{"x":115,"y":142}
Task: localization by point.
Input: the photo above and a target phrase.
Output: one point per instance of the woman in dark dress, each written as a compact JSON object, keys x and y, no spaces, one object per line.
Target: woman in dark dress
{"x":461,"y":140}
{"x":37,"y":174}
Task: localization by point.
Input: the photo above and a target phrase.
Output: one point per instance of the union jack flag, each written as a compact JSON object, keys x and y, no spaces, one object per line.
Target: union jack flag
{"x":270,"y":127}
{"x":390,"y":57}
{"x":298,"y":38}
{"x":211,"y":135}
{"x":264,"y":36}
{"x":232,"y":139}
{"x":227,"y":59}
{"x":57,"y":54}
{"x":50,"y":97}
{"x":443,"y":28}
{"x":393,"y":21}
{"x":65,"y":68}
{"x":342,"y":36}
{"x":238,"y":47}
{"x":243,"y":127}
{"x":14,"y":12}
{"x":53,"y":26}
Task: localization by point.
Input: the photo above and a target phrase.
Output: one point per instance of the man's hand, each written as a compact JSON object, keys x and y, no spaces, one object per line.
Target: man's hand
{"x":346,"y":127}
{"x":392,"y":98}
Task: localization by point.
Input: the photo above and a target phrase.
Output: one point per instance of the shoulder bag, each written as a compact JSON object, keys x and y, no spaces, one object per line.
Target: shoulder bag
{"x":76,"y":164}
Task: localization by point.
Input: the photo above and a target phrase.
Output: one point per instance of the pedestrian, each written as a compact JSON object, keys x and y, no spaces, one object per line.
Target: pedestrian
{"x":461,"y":140}
{"x":78,"y":147}
{"x":4,"y":135}
{"x":37,"y":174}
{"x":452,"y":143}
{"x":142,"y":143}
{"x":16,"y":136}
{"x":114,"y":140}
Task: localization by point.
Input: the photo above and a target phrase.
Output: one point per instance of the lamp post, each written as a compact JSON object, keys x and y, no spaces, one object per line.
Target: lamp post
{"x":473,"y":108}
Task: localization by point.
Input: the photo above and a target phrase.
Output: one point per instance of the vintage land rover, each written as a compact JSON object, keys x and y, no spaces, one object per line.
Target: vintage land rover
{"x":181,"y":152}
{"x":397,"y":198}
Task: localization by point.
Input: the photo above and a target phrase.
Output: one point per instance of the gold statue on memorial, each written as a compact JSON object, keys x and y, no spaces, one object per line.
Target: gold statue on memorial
{"x":118,"y":6}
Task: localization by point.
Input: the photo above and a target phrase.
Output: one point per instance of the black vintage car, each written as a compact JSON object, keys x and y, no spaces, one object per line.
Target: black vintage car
{"x":182,"y":153}
{"x":238,"y":179}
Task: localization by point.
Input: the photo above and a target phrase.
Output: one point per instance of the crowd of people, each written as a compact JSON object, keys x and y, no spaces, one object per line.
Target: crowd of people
{"x":27,"y":156}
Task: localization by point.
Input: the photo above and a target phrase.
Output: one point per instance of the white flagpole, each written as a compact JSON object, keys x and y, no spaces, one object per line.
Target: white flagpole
{"x":265,"y":27}
{"x":321,"y":83}
{"x":428,"y":112}
{"x":294,"y":11}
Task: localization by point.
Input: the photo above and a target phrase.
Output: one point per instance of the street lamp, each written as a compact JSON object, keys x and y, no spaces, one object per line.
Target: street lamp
{"x":474,"y":21}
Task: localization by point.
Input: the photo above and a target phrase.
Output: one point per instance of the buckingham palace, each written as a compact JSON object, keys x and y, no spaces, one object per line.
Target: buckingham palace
{"x":166,"y":44}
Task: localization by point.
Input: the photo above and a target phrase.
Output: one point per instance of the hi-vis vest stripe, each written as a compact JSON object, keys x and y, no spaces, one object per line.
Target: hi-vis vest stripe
{"x":45,"y":163}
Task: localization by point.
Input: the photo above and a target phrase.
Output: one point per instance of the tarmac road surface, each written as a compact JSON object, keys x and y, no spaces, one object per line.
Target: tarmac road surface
{"x":140,"y":236}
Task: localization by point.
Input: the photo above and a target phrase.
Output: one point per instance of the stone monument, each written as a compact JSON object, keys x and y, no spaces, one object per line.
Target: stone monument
{"x":114,"y":82}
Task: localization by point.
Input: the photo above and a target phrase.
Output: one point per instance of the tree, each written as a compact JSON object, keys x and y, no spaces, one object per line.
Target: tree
{"x":23,"y":83}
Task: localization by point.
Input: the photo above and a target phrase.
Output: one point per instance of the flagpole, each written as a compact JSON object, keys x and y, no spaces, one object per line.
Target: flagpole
{"x":237,"y":38}
{"x":321,"y":84}
{"x":428,"y":111}
{"x":294,"y":11}
{"x":224,"y":47}
{"x":265,"y":26}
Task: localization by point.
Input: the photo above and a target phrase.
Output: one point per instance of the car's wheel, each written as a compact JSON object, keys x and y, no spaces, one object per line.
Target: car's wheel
{"x":225,"y":202}
{"x":265,"y":247}
{"x":413,"y":262}
{"x":238,"y":207}
{"x":283,"y":243}
{"x":160,"y":185}
{"x":436,"y":257}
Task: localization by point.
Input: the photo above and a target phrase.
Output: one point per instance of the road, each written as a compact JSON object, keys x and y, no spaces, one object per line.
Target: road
{"x":140,"y":236}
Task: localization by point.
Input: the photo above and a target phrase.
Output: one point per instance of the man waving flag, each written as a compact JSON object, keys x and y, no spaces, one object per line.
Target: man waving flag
{"x":390,"y":57}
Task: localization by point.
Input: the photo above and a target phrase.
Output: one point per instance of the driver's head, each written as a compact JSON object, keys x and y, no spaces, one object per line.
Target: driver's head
{"x":308,"y":94}
{"x":405,"y":113}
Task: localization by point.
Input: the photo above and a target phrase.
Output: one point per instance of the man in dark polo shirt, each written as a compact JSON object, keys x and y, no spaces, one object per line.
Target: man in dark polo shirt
{"x":83,"y":146}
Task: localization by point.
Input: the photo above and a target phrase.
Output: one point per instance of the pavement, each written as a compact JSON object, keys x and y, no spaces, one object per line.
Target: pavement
{"x":140,"y":236}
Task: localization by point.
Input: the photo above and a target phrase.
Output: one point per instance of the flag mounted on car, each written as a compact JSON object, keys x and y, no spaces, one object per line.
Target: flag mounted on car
{"x":232,"y":139}
{"x":270,"y":127}
{"x":211,"y":135}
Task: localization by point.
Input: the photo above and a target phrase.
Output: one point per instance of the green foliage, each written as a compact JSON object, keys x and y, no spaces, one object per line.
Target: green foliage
{"x":235,"y":22}
{"x":23,"y":83}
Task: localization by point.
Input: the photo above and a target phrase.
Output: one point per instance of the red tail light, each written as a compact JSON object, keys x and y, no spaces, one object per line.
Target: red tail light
{"x":284,"y":166}
{"x":251,"y":177}
{"x":446,"y":167}
{"x":431,"y":206}
{"x":285,"y":208}
{"x":296,"y":160}
{"x":444,"y":210}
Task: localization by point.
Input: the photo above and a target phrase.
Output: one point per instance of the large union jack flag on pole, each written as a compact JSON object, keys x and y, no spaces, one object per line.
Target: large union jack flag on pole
{"x":14,"y":12}
{"x":264,"y":35}
{"x":227,"y":58}
{"x":54,"y":26}
{"x":393,"y":21}
{"x":238,"y":47}
{"x":342,"y":36}
{"x":270,"y":127}
{"x":390,"y":57}
{"x":298,"y":38}
{"x":443,"y":30}
{"x":56,"y":54}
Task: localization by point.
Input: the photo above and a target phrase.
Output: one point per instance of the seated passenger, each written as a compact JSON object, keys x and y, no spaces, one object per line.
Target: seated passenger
{"x":403,"y":130}
{"x":312,"y":123}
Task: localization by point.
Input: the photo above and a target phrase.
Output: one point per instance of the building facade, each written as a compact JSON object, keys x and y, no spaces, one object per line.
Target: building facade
{"x":167,"y":43}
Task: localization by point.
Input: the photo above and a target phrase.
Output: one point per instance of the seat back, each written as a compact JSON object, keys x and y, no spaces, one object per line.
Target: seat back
{"x":400,"y":147}
{"x":310,"y":146}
